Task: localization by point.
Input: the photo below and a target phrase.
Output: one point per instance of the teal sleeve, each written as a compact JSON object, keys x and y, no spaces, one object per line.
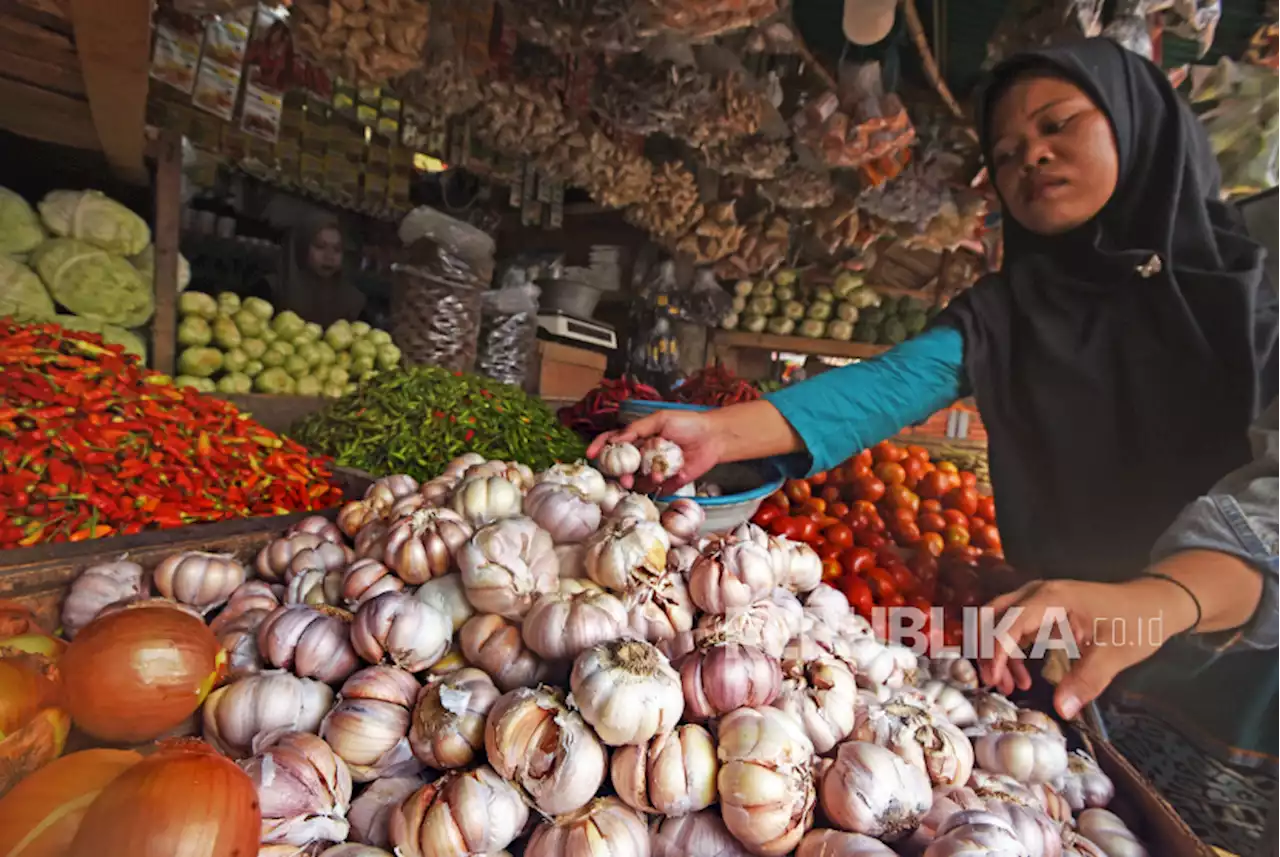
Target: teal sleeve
{"x":841,"y":412}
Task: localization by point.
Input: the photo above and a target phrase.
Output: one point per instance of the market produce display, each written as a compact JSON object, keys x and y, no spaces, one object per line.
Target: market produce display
{"x":232,"y":345}
{"x":416,"y":419}
{"x":597,"y":411}
{"x":894,"y":528}
{"x":92,"y":444}
{"x":714,"y":386}
{"x":590,"y":690}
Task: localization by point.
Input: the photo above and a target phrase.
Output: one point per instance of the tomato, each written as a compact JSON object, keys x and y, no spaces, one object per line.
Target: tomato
{"x":767,"y":513}
{"x":797,"y":490}
{"x":931,"y":522}
{"x":857,"y":560}
{"x":914,"y":468}
{"x":806,"y":529}
{"x":839,"y":535}
{"x":838,"y":510}
{"x":924,"y":607}
{"x":818,"y":478}
{"x":830,"y":494}
{"x":987,"y":537}
{"x":779,"y":499}
{"x":890,"y":473}
{"x":956,"y":537}
{"x":818,"y":543}
{"x":908,"y":535}
{"x":876,"y":525}
{"x":976,"y":523}
{"x":948,"y":467}
{"x":955,"y":518}
{"x":987,"y":508}
{"x":881,"y":583}
{"x":892,"y":600}
{"x":899,"y":517}
{"x":962,"y":500}
{"x":968,"y":480}
{"x":869,"y":489}
{"x":785,"y":526}
{"x":831,"y":571}
{"x":812,"y":506}
{"x":858,"y":594}
{"x":858,"y":521}
{"x":903,"y":580}
{"x":870,"y":539}
{"x":902,"y":497}
{"x":968,"y":554}
{"x":932,"y":544}
{"x":919,"y":453}
{"x":830,"y":551}
{"x":858,"y":470}
{"x":953,"y":635}
{"x":887,"y":451}
{"x":931,"y":505}
{"x":933,"y":485}
{"x":864,"y":458}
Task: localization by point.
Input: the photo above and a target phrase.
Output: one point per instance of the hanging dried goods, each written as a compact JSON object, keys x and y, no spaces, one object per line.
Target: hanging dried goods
{"x":367,"y":41}
{"x":715,"y":236}
{"x":705,"y":20}
{"x":795,"y":187}
{"x":754,"y":157}
{"x":766,"y":240}
{"x":671,"y":208}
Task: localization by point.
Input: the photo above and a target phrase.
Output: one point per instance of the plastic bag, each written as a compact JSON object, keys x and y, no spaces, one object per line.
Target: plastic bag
{"x":460,"y":239}
{"x":508,"y":329}
{"x":705,"y":302}
{"x":436,"y":300}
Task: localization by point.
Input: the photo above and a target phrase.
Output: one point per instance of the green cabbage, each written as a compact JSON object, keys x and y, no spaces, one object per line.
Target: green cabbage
{"x":327,"y":354}
{"x":360,"y":329}
{"x":255,"y":348}
{"x":194,"y":330}
{"x":248,"y":322}
{"x":337,"y":375}
{"x":309,"y":386}
{"x":274,"y":380}
{"x":847,"y":282}
{"x":258,"y":307}
{"x":754,"y":323}
{"x":253,"y":368}
{"x":310,"y":352}
{"x":191,"y":381}
{"x":311,"y":332}
{"x":362,"y":348}
{"x":781,"y":326}
{"x":820,"y":310}
{"x":730,"y":321}
{"x":20,"y":229}
{"x":96,"y":219}
{"x":228,"y":303}
{"x":839,"y":329}
{"x":234,"y":360}
{"x":361,"y":364}
{"x":342,"y":359}
{"x":288,"y":325}
{"x":235,"y":383}
{"x":145,"y":262}
{"x":388,"y":356}
{"x":273,"y":357}
{"x":22,"y":295}
{"x":813,"y":328}
{"x":296,"y":366}
{"x":111,"y":334}
{"x":198,"y":303}
{"x":225,"y":333}
{"x":846,"y":311}
{"x":379,"y":337}
{"x":793,"y":310}
{"x":284,"y":346}
{"x":199,"y":362}
{"x":339,"y":335}
{"x":333,"y":391}
{"x":92,"y":283}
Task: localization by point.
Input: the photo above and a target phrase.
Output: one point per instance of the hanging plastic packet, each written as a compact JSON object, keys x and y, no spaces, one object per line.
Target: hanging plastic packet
{"x":509,"y":329}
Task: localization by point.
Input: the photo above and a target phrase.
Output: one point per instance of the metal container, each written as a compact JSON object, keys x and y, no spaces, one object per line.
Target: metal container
{"x":574,"y":297}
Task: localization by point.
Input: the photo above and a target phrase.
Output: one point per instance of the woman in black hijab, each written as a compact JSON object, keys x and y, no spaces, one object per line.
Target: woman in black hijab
{"x":1118,"y":360}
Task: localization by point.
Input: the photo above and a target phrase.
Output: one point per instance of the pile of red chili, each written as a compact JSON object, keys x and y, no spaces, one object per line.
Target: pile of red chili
{"x":92,"y":444}
{"x":597,"y":411}
{"x":715,"y":386}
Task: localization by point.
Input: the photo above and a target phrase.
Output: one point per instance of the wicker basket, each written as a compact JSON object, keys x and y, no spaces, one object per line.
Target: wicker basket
{"x":436,"y":321}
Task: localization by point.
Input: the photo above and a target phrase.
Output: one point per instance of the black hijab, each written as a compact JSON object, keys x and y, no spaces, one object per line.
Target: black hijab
{"x":1112,"y":399}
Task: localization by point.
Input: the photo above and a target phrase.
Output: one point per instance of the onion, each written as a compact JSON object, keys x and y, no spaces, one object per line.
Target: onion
{"x":719,"y":678}
{"x":506,"y":566}
{"x":370,"y":813}
{"x":303,"y":789}
{"x":33,"y":730}
{"x":96,"y":587}
{"x":604,"y":828}
{"x":274,"y":700}
{"x":318,"y":525}
{"x":40,"y":815}
{"x":369,"y":726}
{"x":398,"y":628}
{"x":562,"y":624}
{"x":683,"y":520}
{"x":701,"y":834}
{"x":424,"y":545}
{"x":459,"y":815}
{"x":203,"y":580}
{"x":313,"y":642}
{"x":673,"y":774}
{"x":184,"y":799}
{"x":366,"y":579}
{"x":447,"y":726}
{"x":134,"y":675}
{"x":765,"y":781}
{"x":16,"y":619}
{"x":493,"y":644}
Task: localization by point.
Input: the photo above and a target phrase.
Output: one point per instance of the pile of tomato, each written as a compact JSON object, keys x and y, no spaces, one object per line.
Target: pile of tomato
{"x":896,"y":529}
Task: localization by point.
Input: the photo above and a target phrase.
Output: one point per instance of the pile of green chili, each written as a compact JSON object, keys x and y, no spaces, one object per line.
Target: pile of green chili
{"x":417,"y":420}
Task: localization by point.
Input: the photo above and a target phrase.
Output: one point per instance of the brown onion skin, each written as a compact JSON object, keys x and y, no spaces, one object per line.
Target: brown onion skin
{"x":132,"y":676}
{"x":183,"y":801}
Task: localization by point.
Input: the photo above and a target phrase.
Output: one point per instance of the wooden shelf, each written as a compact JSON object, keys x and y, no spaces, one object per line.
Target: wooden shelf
{"x":795,"y":344}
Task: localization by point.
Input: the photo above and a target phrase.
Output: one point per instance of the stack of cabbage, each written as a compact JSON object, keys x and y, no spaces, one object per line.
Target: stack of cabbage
{"x":83,"y":253}
{"x":239,"y":346}
{"x":782,"y":305}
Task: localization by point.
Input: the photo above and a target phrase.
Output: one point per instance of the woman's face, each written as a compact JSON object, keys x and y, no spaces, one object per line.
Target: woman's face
{"x":1053,"y":154}
{"x":324,"y":256}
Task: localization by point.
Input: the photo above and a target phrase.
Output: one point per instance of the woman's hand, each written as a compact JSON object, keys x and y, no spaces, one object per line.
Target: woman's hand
{"x":696,"y":433}
{"x":1114,"y":626}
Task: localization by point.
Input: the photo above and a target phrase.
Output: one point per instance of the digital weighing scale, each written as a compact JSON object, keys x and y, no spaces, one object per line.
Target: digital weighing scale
{"x":576,"y":331}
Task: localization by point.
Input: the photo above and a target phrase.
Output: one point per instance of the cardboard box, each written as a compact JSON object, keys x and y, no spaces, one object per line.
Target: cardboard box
{"x":565,"y":372}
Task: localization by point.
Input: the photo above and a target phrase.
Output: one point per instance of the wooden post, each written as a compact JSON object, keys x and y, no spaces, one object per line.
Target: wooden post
{"x":164,"y":327}
{"x":113,"y":42}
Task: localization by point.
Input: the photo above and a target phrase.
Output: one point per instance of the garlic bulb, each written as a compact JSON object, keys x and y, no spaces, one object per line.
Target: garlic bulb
{"x":240,"y":638}
{"x":369,"y":726}
{"x":827,"y":604}
{"x":318,"y":525}
{"x":304,"y":789}
{"x":366,"y":579}
{"x":952,"y":668}
{"x":1084,"y":785}
{"x":683,"y":520}
{"x":566,"y":513}
{"x":315,"y":587}
{"x":573,"y":561}
{"x":886,"y":664}
{"x":436,"y":492}
{"x":342,"y":849}
{"x":910,"y":730}
{"x":660,"y":459}
{"x":768,"y":624}
{"x":203,"y":580}
{"x":1109,"y":832}
{"x":325,"y":557}
{"x":1051,"y":801}
{"x":1002,"y":786}
{"x":1076,"y":845}
{"x":371,"y":541}
{"x":447,"y":727}
{"x":405,"y":507}
{"x":462,"y":814}
{"x":870,"y":790}
{"x":460,"y":465}
{"x":613,"y":495}
{"x":732,"y":575}
{"x":673,"y":774}
{"x":821,"y":694}
{"x":701,"y":834}
{"x":250,"y":596}
{"x":425,"y":544}
{"x":562,"y":624}
{"x":313,"y":642}
{"x":236,"y":713}
{"x":804,"y":568}
{"x":625,"y":552}
{"x":448,"y":596}
{"x":1036,"y":831}
{"x":635,"y":507}
{"x":974,"y":833}
{"x":97,"y":586}
{"x":604,"y":828}
{"x":659,"y":608}
{"x":618,"y":459}
{"x":721,"y":677}
{"x":1025,"y":753}
{"x":951,"y":702}
{"x":370,"y":813}
{"x":353,"y":518}
{"x":765,"y":781}
{"x":680,"y":560}
{"x":507,"y":565}
{"x":384,"y":492}
{"x":493,"y":644}
{"x":533,"y":739}
{"x":399,"y":628}
{"x":837,"y":843}
{"x":514,"y":472}
{"x":485,"y":499}
{"x":580,"y":475}
{"x":627,"y":691}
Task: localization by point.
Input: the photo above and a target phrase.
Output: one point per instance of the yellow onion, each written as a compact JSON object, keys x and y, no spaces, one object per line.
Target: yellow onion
{"x":701,"y":834}
{"x":533,"y":739}
{"x":672,"y":775}
{"x":580,"y":475}
{"x":627,"y":552}
{"x":424,"y":545}
{"x":618,"y":459}
{"x":837,"y":843}
{"x":397,"y":628}
{"x":250,"y":596}
{"x":236,"y":714}
{"x":507,"y":565}
{"x":203,"y":580}
{"x":447,"y":726}
{"x":33,"y":728}
{"x":366,"y":579}
{"x":869,"y":790}
{"x":635,"y":507}
{"x":325,"y":557}
{"x":1026,"y":753}
{"x":311,"y":641}
{"x":318,"y":525}
{"x":971,"y":833}
{"x":660,"y":459}
{"x":563,"y":511}
{"x":732,"y":575}
{"x":96,"y":587}
{"x":627,"y":691}
{"x":659,"y":607}
{"x":315,"y":587}
{"x":821,"y":694}
{"x":370,"y":813}
{"x":369,"y":726}
{"x":303,"y":789}
{"x":720,"y":677}
{"x":909,"y":729}
{"x":461,"y":814}
{"x":765,"y":781}
{"x":603,"y":828}
{"x":449,"y":597}
{"x":354,"y":517}
{"x":273,"y":560}
{"x":493,"y":644}
{"x":562,"y":624}
{"x":485,"y":499}
{"x":683,"y":520}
